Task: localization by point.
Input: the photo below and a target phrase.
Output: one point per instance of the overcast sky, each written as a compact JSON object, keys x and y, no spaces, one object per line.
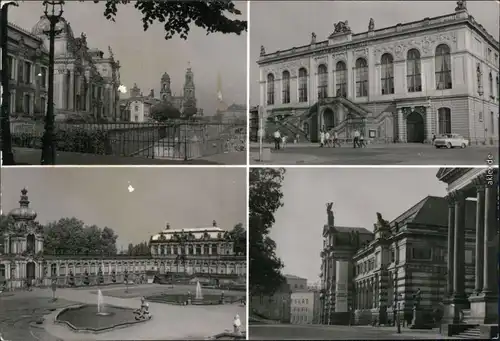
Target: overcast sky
{"x":280,"y":25}
{"x":186,"y":198}
{"x":357,"y":194}
{"x":145,"y":56}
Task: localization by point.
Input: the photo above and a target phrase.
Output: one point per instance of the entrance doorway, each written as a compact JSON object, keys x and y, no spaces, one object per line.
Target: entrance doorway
{"x":30,"y":271}
{"x":328,"y":119}
{"x":415,"y":132}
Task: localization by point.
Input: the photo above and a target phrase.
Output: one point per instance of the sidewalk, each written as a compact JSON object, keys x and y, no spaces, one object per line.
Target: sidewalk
{"x":255,"y":145}
{"x":29,"y":156}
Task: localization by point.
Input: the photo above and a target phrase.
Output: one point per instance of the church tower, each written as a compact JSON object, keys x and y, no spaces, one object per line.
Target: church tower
{"x":165,"y":91}
{"x":189,"y":88}
{"x":135,"y":91}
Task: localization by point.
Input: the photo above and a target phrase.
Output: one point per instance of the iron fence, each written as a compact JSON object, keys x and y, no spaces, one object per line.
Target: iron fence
{"x":171,"y":140}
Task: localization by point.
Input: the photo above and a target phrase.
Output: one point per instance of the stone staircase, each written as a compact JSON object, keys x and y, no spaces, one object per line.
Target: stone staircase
{"x":473,"y":333}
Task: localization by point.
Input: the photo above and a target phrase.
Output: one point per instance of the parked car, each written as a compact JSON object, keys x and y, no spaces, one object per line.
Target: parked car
{"x":451,"y":141}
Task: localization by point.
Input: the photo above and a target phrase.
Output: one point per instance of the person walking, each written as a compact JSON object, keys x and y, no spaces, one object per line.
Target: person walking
{"x":355,"y":140}
{"x":321,"y":139}
{"x":328,"y":139}
{"x":277,"y":139}
{"x":361,"y":141}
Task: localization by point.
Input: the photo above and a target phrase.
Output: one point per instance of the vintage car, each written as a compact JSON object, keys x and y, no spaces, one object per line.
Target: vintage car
{"x":451,"y":141}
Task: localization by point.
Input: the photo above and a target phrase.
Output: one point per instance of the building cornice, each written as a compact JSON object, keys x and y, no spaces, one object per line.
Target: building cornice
{"x":363,"y":39}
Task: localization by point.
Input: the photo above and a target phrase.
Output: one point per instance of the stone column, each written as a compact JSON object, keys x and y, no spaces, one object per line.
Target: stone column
{"x":451,"y":245}
{"x":400,"y":123}
{"x":490,"y":243}
{"x":480,"y":216}
{"x":71,"y":99}
{"x":459,"y":254}
{"x":428,"y":124}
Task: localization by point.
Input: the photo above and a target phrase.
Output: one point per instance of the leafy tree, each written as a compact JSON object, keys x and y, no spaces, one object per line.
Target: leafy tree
{"x":177,"y":17}
{"x":141,"y":249}
{"x":239,"y":235}
{"x":165,"y":111}
{"x":264,"y":200}
{"x":70,"y":236}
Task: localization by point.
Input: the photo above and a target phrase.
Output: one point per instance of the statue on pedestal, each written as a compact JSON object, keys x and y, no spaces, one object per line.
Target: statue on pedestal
{"x":417,"y":297}
{"x":262,"y":50}
{"x":342,"y":27}
{"x":313,"y":38}
{"x":329,"y":213}
{"x":461,"y":5}
{"x":371,"y":24}
{"x":143,"y":312}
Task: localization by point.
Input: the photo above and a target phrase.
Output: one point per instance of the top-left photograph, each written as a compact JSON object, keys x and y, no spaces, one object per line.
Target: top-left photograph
{"x":111,"y":83}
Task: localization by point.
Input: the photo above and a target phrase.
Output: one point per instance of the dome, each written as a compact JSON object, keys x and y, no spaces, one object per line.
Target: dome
{"x":165,"y":77}
{"x":43,"y":25}
{"x":23,"y":212}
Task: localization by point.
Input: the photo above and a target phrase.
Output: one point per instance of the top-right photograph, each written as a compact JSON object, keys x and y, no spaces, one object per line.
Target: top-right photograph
{"x":374,"y":83}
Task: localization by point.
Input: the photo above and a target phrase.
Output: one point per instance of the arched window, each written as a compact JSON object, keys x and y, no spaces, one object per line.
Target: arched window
{"x":322,"y":81}
{"x":285,"y":82}
{"x":361,"y":77}
{"x":270,"y":89}
{"x":413,"y":73}
{"x":387,"y":74}
{"x":302,"y":85}
{"x":443,"y":67}
{"x":341,"y":79}
{"x":444,"y":121}
{"x":491,"y":84}
{"x":206,"y":249}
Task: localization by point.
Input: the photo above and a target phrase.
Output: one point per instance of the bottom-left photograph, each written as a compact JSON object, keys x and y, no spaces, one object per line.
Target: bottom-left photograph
{"x":123,"y":254}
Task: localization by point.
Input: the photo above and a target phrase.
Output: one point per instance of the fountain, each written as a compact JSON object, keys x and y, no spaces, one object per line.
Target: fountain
{"x":100,"y":304}
{"x":199,"y":295}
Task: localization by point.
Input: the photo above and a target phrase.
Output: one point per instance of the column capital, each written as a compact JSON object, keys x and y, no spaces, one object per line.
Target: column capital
{"x":480,"y":182}
{"x":450,"y":199}
{"x":456,"y":196}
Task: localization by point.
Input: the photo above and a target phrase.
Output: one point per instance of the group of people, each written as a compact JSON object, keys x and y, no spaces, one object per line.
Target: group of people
{"x":331,"y":139}
{"x":327,"y":138}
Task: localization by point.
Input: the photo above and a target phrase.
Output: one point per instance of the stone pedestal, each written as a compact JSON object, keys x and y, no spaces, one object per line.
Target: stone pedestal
{"x":483,"y":309}
{"x":341,"y":285}
{"x":382,"y":315}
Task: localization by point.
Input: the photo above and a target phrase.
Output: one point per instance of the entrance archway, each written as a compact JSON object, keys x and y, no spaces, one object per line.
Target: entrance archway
{"x":328,"y":119}
{"x":415,"y":131}
{"x":30,"y":271}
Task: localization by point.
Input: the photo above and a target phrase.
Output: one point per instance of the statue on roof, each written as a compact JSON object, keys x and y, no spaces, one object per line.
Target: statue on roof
{"x":313,"y":38}
{"x":381,"y":222}
{"x":371,"y":24}
{"x":461,"y":5}
{"x":111,"y":54}
{"x":83,"y":38}
{"x":262,"y":50}
{"x":329,"y":213}
{"x":342,"y":27}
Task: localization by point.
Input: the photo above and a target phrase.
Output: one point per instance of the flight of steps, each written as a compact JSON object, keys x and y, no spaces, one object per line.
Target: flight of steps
{"x":470,"y":334}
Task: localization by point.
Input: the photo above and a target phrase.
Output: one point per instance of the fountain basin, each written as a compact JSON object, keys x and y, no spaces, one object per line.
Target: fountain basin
{"x":84,"y":318}
{"x":182,"y":299}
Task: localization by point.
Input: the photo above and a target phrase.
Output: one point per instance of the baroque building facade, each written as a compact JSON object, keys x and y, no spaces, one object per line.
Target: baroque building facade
{"x":441,"y":248}
{"x":22,"y":258}
{"x":28,"y":62}
{"x":396,"y":84}
{"x":200,"y":251}
{"x":188,"y":97}
{"x":85,"y":80}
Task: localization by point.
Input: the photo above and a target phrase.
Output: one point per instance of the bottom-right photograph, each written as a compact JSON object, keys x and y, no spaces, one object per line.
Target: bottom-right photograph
{"x":373,"y":253}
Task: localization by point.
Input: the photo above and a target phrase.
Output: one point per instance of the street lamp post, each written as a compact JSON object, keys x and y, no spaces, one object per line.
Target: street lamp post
{"x":398,"y":309}
{"x":53,"y":13}
{"x":7,"y":155}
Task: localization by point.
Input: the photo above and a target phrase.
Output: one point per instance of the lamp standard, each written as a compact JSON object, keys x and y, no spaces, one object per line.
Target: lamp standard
{"x":53,"y":13}
{"x":480,"y":92}
{"x":7,"y":155}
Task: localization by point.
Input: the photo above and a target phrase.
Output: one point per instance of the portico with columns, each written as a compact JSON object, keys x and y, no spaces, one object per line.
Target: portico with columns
{"x":481,"y":307}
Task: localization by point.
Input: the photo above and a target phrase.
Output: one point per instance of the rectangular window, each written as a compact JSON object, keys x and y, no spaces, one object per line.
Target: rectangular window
{"x":27,"y":75}
{"x":43,"y":71}
{"x":422,"y":253}
{"x":10,"y":61}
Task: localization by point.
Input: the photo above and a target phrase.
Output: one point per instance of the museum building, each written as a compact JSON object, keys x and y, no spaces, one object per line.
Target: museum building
{"x":402,"y":83}
{"x":429,"y":251}
{"x":206,"y":254}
